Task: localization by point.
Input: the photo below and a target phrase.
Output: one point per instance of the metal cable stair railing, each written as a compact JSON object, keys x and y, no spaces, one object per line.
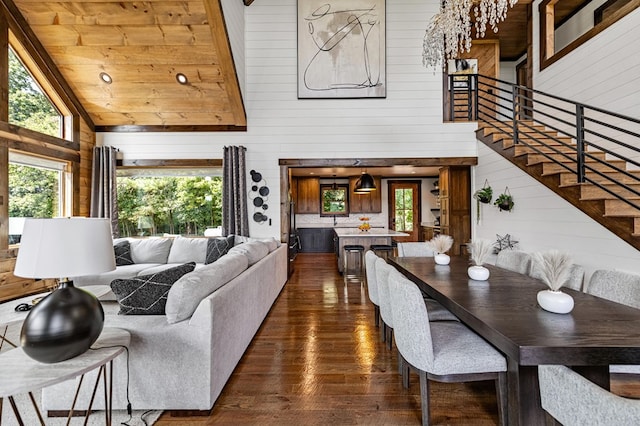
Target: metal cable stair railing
{"x":586,"y":154}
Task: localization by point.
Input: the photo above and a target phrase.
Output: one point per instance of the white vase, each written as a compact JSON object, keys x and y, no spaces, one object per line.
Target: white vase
{"x":478,"y":273}
{"x":442,"y":259}
{"x":555,"y":301}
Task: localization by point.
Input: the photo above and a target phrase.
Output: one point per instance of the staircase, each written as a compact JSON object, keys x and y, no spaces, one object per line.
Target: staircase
{"x":593,"y":164}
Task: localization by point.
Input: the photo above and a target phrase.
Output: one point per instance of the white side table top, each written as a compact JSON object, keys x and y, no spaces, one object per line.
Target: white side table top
{"x":8,"y":314}
{"x":22,"y":374}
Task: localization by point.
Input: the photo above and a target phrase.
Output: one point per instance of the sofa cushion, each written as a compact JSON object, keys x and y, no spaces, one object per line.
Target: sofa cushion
{"x":122,"y":252}
{"x":254,"y":250}
{"x":272,"y":242}
{"x":218,"y":247}
{"x":185,"y":250}
{"x":185,"y":295}
{"x":147,"y":294}
{"x":150,"y":250}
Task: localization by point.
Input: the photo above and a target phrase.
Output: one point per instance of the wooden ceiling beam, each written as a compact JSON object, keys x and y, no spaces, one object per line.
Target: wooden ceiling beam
{"x":222,"y":45}
{"x":379,"y":162}
{"x":27,"y":38}
{"x":171,"y":128}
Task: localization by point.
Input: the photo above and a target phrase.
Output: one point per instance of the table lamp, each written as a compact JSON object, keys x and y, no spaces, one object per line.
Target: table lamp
{"x":68,"y":321}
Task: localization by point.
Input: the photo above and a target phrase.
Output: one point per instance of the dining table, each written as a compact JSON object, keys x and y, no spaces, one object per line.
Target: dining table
{"x":504,"y":311}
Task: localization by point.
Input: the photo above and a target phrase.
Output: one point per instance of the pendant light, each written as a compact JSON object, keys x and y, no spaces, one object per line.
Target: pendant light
{"x":365,"y":184}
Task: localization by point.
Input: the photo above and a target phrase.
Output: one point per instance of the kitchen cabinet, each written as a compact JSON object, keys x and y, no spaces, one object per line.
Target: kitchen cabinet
{"x":306,"y":193}
{"x":316,"y":240}
{"x":428,"y":232}
{"x":455,"y":205}
{"x":370,"y":202}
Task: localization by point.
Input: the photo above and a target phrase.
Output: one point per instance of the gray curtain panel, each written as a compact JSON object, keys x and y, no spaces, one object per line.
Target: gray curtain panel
{"x":104,"y":200}
{"x":235,"y":216}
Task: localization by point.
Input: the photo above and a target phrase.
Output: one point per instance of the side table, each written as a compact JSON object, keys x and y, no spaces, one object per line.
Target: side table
{"x":8,"y":314}
{"x":21,"y":374}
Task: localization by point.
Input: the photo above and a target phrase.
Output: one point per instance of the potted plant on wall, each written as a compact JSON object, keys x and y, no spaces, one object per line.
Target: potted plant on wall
{"x":504,"y":201}
{"x":482,"y":195}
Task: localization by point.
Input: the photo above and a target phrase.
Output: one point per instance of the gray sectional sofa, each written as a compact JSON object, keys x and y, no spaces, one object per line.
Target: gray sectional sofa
{"x":182,"y":360}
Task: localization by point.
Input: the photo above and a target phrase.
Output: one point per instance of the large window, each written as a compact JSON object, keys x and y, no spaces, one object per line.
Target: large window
{"x":29,"y":107}
{"x":166,"y":201}
{"x":37,"y":188}
{"x":37,"y":185}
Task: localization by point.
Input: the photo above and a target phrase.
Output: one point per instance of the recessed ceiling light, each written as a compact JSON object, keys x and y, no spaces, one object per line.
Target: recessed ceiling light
{"x":181,"y":78}
{"x":105,"y":77}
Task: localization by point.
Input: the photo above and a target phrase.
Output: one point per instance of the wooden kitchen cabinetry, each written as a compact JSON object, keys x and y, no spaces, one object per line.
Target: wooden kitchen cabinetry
{"x":370,"y":202}
{"x":306,"y":193}
{"x":455,"y":205}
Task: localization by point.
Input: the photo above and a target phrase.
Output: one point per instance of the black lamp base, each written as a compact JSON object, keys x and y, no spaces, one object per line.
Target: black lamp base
{"x":63,"y":325}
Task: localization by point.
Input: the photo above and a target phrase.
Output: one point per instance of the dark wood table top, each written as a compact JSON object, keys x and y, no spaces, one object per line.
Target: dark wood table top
{"x":505,"y":312}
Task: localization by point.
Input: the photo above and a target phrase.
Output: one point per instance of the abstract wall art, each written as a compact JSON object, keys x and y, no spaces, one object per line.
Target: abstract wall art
{"x":341,"y":49}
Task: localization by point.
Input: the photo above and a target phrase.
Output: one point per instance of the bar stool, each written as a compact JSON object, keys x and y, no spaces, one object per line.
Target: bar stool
{"x":357,"y":252}
{"x":382,"y":250}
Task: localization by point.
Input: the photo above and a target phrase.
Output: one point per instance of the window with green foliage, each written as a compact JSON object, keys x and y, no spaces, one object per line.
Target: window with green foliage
{"x":404,"y":209}
{"x":29,"y":107}
{"x":36,"y":184}
{"x":154,"y":205}
{"x":35,"y":190}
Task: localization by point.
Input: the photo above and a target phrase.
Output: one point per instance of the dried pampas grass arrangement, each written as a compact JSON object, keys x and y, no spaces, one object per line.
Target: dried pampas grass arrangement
{"x":554,"y":267}
{"x":480,"y":249}
{"x":441,"y":243}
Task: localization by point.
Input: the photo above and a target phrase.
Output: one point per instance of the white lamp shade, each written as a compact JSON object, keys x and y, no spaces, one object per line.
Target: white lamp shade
{"x":65,"y":247}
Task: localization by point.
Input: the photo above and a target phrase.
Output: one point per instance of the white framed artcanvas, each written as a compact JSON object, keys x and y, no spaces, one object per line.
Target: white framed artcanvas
{"x":341,"y":49}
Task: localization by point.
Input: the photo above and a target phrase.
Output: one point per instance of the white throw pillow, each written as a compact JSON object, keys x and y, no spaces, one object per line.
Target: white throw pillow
{"x":184,"y":250}
{"x":254,"y":250}
{"x":150,"y":250}
{"x":186,"y":293}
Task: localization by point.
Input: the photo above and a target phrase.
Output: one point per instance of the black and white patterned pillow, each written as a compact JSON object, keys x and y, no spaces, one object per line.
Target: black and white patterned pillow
{"x":218,"y":247}
{"x":147,"y":294}
{"x":122,"y":251}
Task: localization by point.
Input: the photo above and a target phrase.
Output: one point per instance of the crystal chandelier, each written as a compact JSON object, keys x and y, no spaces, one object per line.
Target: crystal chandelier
{"x":449,"y":31}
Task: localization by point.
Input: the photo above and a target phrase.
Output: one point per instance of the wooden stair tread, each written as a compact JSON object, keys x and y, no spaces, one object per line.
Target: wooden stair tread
{"x":567,"y":158}
{"x":555,"y":173}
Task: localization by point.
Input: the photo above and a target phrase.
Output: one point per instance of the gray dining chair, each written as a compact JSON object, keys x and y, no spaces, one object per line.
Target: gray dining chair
{"x":382,"y":277}
{"x":617,"y":286}
{"x":574,"y":282}
{"x":414,"y":249}
{"x":370,"y":259}
{"x":437,"y":312}
{"x":444,"y":351}
{"x":514,"y":260}
{"x":620,"y":287}
{"x":572,"y":400}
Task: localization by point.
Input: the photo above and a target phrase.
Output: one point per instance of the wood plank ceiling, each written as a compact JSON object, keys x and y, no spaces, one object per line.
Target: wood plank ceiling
{"x":142,"y":46}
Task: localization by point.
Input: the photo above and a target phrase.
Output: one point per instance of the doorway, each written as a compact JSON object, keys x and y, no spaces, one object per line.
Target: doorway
{"x":404,"y":208}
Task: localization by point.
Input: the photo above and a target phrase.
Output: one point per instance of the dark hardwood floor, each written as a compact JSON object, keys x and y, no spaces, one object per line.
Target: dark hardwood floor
{"x":318,"y":360}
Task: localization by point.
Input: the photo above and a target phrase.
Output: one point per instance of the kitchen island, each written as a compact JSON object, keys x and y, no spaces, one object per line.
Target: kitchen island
{"x":363,"y":238}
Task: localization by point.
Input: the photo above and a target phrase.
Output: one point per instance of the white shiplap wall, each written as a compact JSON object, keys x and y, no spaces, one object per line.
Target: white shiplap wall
{"x":408,"y":123}
{"x":603,"y":72}
{"x":234,"y":18}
